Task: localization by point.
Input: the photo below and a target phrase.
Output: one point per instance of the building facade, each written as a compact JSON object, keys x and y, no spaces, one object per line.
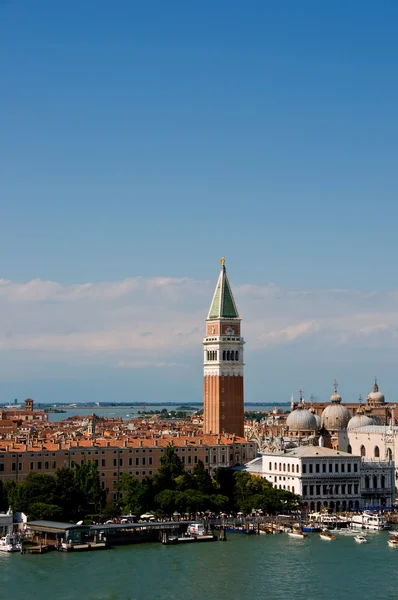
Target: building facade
{"x":139,"y":457}
{"x":328,"y":479}
{"x":223,"y":402}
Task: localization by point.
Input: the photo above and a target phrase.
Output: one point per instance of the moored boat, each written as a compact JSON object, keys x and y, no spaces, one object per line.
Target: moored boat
{"x":369,"y":520}
{"x":9,"y":543}
{"x":393,"y":542}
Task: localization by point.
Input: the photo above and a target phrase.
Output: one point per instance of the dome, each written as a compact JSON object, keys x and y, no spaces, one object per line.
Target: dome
{"x":360,"y":420}
{"x":317,"y":417}
{"x":335,"y":416}
{"x":376,"y":396}
{"x":301,"y":419}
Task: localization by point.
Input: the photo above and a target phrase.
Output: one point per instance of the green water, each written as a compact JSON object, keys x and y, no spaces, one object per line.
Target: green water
{"x":245,"y":567}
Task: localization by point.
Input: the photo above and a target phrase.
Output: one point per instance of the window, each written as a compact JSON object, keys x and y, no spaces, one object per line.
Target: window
{"x":349,"y":468}
{"x":343,"y":467}
{"x":103,"y":463}
{"x":304,"y":468}
{"x":32,"y":466}
{"x":46,"y":464}
{"x":207,"y":458}
{"x":270,"y":466}
{"x":343,"y":488}
{"x":39,"y":465}
{"x":288,"y":468}
{"x":150,"y":460}
{"x":349,"y":449}
{"x":196,"y":459}
{"x":355,"y":467}
{"x":304,"y":490}
{"x":317,"y":468}
{"x":377,"y":452}
{"x":318,"y":490}
{"x":137,"y":461}
{"x":310,"y":468}
{"x":330,"y":468}
{"x":355,"y":488}
{"x":297,"y":468}
{"x":130,"y":461}
{"x":349,"y":487}
{"x":183,"y":459}
{"x":222,"y":459}
{"x":363,"y":451}
{"x":190,"y":459}
{"x":336,"y":467}
{"x":323,"y":467}
{"x":311,"y":490}
{"x":19,"y":466}
{"x":143,"y":461}
{"x":115,"y":462}
{"x":325,"y":490}
{"x":120,"y":462}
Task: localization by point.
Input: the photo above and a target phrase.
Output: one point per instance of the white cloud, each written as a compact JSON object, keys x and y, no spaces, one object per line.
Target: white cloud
{"x":141,"y":321}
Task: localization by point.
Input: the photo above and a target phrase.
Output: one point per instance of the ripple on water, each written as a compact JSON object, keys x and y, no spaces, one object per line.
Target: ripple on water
{"x":246,"y":567}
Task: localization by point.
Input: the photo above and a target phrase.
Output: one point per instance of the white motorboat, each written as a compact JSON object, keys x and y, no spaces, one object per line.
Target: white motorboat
{"x":361,"y":539}
{"x":393,"y":542}
{"x":298,"y":534}
{"x":9,"y":543}
{"x":327,"y":536}
{"x":369,"y":520}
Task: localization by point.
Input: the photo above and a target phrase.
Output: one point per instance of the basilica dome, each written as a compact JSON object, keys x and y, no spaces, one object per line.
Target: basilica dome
{"x":335,"y":416}
{"x":360,"y":420}
{"x":376,"y":397}
{"x":301,"y":419}
{"x":317,"y":417}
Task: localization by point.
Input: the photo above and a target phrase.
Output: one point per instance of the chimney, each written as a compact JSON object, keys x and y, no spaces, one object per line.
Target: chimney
{"x":140,"y":443}
{"x":185,"y":442}
{"x":125,"y":443}
{"x":219,"y":439}
{"x":200,"y":442}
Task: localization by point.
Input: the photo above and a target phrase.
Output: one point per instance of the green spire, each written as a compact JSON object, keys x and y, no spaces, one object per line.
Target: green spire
{"x":223,"y":304}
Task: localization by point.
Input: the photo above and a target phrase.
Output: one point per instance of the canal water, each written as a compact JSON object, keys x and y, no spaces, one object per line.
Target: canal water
{"x":244,"y":568}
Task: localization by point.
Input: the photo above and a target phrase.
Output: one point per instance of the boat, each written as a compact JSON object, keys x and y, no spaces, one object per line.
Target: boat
{"x":361,"y":539}
{"x":199,"y":533}
{"x":9,"y":543}
{"x":393,"y":542}
{"x":369,"y":520}
{"x":326,"y":535}
{"x":298,"y":534}
{"x":311,"y":528}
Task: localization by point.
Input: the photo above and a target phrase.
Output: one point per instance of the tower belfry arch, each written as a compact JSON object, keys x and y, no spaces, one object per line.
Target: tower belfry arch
{"x":223,"y":408}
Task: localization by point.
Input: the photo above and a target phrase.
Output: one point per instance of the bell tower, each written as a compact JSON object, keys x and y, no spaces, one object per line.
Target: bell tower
{"x":223,"y":363}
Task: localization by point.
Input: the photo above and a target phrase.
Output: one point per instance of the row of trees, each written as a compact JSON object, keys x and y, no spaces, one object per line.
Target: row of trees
{"x":73,"y":493}
{"x":67,"y":495}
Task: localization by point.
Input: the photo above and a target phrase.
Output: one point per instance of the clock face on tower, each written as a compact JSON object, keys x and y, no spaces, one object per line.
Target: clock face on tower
{"x":230,"y":331}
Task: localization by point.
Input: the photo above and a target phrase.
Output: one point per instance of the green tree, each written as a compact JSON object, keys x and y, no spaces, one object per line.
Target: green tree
{"x":170,"y":468}
{"x":68,"y":495}
{"x":167,"y":501}
{"x":88,"y":482}
{"x":133,"y":494}
{"x":202,"y":480}
{"x":41,"y":510}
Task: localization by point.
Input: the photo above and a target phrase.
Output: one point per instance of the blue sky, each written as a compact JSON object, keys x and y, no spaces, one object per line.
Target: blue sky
{"x":149,"y":139}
